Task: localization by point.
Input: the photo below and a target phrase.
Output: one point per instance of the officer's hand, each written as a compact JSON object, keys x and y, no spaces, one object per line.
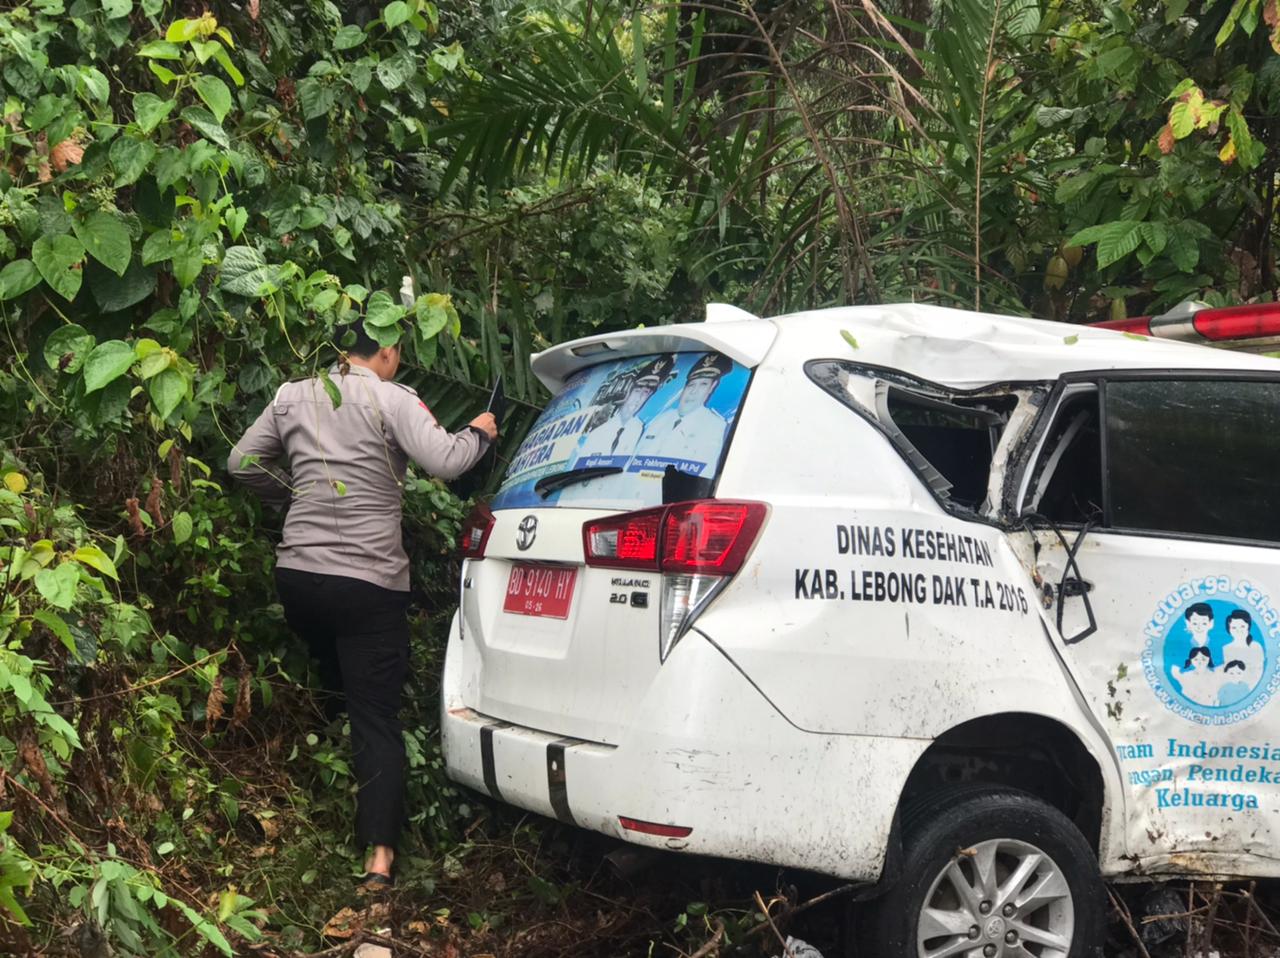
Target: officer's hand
{"x":487,"y":425}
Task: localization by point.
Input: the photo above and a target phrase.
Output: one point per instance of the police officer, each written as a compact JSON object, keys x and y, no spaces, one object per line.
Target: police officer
{"x":618,"y":435}
{"x":690,"y":430}
{"x":341,"y":569}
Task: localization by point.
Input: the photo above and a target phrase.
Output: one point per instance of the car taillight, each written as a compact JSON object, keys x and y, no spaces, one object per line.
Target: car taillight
{"x":628,"y":541}
{"x":697,"y":546}
{"x":475,"y":531}
{"x":708,"y":536}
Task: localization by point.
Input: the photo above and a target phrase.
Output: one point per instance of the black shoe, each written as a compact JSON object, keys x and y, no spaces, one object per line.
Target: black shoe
{"x":373,"y":883}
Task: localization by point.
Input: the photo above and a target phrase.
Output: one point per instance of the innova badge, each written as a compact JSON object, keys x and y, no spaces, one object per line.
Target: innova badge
{"x":526,"y":532}
{"x":1212,"y":654}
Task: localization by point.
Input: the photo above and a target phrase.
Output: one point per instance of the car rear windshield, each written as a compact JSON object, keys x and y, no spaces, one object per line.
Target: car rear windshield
{"x":621,"y":432}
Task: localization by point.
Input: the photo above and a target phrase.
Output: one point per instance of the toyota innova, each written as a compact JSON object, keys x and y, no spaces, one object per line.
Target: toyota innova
{"x":975,"y":610}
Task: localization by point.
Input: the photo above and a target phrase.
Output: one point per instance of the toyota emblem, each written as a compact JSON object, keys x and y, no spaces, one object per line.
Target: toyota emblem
{"x":526,"y":532}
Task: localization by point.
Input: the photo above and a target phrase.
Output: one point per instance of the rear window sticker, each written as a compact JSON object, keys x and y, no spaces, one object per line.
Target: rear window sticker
{"x":637,"y":415}
{"x":1210,"y":653}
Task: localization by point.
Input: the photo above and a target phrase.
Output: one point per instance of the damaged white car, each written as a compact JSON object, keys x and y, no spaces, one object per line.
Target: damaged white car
{"x":976,"y":610}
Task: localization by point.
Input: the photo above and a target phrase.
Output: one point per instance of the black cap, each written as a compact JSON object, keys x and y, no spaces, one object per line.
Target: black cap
{"x":651,"y":374}
{"x":712,"y":364}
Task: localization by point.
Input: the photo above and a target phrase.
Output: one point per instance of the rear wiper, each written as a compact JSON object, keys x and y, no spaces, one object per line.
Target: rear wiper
{"x":549,"y":484}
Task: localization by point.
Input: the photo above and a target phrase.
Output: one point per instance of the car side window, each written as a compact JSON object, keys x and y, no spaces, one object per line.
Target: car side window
{"x":948,"y":437}
{"x":1066,"y":485}
{"x":1198,"y":457}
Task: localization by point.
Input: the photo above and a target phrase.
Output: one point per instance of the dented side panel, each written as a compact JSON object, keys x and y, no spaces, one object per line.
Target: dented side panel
{"x":1199,"y":752}
{"x":868,"y":609}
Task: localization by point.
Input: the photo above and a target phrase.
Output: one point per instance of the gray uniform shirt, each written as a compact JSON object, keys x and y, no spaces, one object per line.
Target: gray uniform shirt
{"x":343,"y":471}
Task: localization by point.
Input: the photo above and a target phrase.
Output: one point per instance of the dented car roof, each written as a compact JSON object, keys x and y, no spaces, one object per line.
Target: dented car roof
{"x":953,"y":347}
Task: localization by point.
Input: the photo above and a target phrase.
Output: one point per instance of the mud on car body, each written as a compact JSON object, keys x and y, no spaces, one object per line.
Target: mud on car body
{"x":854,"y":589}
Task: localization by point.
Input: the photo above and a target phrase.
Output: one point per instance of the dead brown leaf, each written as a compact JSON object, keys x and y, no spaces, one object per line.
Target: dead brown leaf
{"x":67,"y":153}
{"x":243,"y":707}
{"x":213,"y":704}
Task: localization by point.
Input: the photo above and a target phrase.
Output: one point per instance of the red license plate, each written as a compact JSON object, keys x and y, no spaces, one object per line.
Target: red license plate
{"x":540,"y":590}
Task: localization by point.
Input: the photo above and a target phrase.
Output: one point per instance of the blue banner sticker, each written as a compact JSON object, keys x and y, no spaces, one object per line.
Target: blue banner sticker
{"x":638,"y":415}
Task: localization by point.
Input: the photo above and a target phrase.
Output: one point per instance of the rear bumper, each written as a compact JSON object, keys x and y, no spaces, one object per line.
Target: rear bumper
{"x":712,"y":755}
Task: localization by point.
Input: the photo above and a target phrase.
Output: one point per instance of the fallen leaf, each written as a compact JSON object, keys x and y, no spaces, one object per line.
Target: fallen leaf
{"x":344,"y":924}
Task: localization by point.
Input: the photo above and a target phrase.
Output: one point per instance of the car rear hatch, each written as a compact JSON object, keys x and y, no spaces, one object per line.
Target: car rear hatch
{"x":638,"y":421}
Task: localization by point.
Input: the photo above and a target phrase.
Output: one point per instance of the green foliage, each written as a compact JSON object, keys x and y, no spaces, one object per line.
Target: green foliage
{"x":814,"y":171}
{"x":191,"y":211}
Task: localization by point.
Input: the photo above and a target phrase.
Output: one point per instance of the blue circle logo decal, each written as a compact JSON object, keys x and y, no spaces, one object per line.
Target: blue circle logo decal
{"x":1212,"y":653}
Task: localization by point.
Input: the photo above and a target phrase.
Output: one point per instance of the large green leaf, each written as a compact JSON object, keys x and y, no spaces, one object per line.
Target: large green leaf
{"x":58,"y":258}
{"x":382,"y":310}
{"x":246,"y":273}
{"x":17,"y":277}
{"x":107,"y":239}
{"x":207,"y":125}
{"x":114,"y":293}
{"x":216,"y":95}
{"x":58,"y":585}
{"x":167,"y":390}
{"x":149,"y":110}
{"x":395,"y":13}
{"x":96,"y":559}
{"x":395,"y":70}
{"x":130,"y":157}
{"x":67,"y":347}
{"x":1121,"y":240}
{"x":1183,"y":249}
{"x":108,"y":362}
{"x":348,"y":37}
{"x":161,"y":245}
{"x":317,"y":97}
{"x":188,"y":263}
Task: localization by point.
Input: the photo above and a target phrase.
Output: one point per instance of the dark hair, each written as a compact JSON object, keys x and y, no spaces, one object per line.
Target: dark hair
{"x":363,"y":346}
{"x":1233,"y":662}
{"x":1240,"y":614}
{"x":1200,"y":608}
{"x":1201,"y":651}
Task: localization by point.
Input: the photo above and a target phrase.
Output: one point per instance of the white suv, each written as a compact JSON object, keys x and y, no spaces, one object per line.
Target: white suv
{"x":973,"y":609}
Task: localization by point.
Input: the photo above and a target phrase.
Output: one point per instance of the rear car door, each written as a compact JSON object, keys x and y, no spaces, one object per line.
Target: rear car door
{"x":1150,"y":507}
{"x":553,"y":643}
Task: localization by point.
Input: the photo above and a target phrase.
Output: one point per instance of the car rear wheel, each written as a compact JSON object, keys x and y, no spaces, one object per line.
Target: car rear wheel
{"x":989,"y":874}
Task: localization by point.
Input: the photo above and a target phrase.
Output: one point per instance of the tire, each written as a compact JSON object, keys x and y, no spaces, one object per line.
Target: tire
{"x":982,"y":837}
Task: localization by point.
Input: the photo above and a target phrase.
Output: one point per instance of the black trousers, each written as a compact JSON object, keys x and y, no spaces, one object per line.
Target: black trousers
{"x":359,"y":634}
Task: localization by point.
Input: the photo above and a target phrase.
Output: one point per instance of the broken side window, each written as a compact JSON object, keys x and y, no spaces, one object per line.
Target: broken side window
{"x":1066,"y":485}
{"x":949,"y":438}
